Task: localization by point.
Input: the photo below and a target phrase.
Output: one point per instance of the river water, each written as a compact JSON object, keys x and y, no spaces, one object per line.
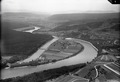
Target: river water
{"x":35,"y":28}
{"x":39,"y":52}
{"x":87,"y":55}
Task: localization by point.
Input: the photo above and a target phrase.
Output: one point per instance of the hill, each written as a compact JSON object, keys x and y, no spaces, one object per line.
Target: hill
{"x":101,"y":33}
{"x":82,"y":16}
{"x":20,"y":43}
{"x":23,"y":15}
{"x":94,"y":25}
{"x":19,"y":20}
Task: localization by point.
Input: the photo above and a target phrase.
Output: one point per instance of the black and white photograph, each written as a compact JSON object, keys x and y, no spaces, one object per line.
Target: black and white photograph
{"x":60,"y":41}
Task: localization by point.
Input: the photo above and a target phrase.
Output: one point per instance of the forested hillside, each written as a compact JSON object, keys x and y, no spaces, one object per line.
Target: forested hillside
{"x":21,"y":43}
{"x":112,"y":23}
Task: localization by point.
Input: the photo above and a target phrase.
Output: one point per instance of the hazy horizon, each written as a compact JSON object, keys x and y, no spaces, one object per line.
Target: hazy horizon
{"x":58,"y":6}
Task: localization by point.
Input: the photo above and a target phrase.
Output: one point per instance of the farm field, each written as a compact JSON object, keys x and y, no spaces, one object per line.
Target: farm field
{"x":61,"y":49}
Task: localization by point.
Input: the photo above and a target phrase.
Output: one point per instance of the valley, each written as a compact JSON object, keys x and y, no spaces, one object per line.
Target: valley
{"x":99,"y":30}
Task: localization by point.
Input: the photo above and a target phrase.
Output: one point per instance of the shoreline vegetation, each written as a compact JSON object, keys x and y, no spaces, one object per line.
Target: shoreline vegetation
{"x":45,"y":75}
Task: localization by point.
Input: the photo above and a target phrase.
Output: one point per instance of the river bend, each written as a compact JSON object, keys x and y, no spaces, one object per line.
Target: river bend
{"x":87,"y":55}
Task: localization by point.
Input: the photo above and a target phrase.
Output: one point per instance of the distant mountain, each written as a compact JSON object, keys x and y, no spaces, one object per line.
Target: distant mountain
{"x":82,"y":16}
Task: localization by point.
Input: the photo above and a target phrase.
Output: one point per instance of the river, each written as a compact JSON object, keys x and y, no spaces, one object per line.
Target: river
{"x":87,"y":55}
{"x":39,"y":52}
{"x":35,"y":28}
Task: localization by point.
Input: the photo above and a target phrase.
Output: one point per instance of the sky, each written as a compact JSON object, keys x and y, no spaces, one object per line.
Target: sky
{"x":58,"y":6}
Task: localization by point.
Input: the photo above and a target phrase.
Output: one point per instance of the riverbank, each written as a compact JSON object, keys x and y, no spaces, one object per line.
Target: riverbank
{"x":28,"y":61}
{"x":87,"y":42}
{"x":46,"y":74}
{"x":36,"y":61}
